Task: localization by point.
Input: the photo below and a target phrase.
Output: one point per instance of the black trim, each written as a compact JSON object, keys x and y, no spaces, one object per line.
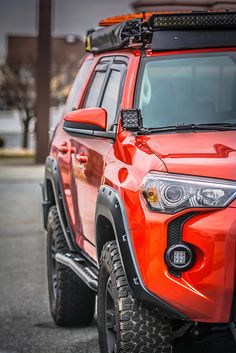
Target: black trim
{"x":121,"y":59}
{"x":187,"y":39}
{"x":175,"y":228}
{"x":174,"y":237}
{"x":110,"y":206}
{"x":52,"y":175}
{"x":101,"y":67}
{"x":90,"y":133}
{"x":46,"y":204}
{"x":81,"y":126}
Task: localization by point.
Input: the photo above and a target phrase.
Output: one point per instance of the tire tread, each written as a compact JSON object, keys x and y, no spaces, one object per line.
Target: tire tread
{"x":74,"y":304}
{"x":141,"y":329}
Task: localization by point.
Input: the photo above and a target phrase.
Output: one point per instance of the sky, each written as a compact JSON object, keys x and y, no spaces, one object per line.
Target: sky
{"x":69,"y":16}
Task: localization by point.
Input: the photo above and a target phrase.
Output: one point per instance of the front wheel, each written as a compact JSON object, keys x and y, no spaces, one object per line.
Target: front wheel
{"x":124,"y":324}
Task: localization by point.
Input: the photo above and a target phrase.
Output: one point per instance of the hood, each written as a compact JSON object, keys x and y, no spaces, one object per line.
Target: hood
{"x":210,"y":154}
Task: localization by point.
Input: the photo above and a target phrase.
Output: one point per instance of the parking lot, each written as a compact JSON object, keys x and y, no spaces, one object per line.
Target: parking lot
{"x":25,"y":322}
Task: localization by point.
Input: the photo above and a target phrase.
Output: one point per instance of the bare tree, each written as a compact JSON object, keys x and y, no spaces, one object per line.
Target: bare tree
{"x":17,"y":91}
{"x":61,"y":81}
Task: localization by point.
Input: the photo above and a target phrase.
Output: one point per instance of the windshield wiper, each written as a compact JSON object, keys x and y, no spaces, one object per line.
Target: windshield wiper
{"x":217,"y":125}
{"x":192,"y":127}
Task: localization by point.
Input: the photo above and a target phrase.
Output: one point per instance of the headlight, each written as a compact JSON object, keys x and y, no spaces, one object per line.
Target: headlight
{"x":170,"y":193}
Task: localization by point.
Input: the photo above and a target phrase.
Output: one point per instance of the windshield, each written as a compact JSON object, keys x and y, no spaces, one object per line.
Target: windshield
{"x":189,"y":89}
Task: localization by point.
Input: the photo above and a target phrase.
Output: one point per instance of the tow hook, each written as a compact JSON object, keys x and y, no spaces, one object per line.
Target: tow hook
{"x":233,"y":329}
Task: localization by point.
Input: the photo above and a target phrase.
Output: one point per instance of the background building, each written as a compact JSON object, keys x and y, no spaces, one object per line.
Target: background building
{"x":65,"y":50}
{"x":66,"y":53}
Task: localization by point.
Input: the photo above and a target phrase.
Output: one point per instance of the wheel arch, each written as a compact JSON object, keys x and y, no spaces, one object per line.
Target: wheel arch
{"x":111,"y":210}
{"x":104,"y":233}
{"x":49,"y":192}
{"x":52,"y":195}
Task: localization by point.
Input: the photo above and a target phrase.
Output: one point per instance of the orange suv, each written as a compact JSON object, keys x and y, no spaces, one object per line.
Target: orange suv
{"x":139,"y":198}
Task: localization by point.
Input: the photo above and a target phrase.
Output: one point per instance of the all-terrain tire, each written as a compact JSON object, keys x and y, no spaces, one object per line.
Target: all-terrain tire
{"x":137,"y":329}
{"x":72,"y":303}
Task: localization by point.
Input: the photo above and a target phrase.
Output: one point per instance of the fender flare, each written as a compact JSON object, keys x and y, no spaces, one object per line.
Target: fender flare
{"x":52,"y":175}
{"x":110,"y":206}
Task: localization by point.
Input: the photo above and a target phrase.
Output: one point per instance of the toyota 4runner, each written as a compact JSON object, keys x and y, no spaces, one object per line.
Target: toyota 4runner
{"x":139,"y":197}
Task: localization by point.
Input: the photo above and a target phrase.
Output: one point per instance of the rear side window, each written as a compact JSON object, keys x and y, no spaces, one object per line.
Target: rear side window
{"x":111,"y":97}
{"x":72,"y":100}
{"x":95,"y":90}
{"x":105,"y":88}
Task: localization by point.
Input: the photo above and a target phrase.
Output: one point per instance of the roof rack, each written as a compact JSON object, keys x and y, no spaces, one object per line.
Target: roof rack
{"x":164,"y":31}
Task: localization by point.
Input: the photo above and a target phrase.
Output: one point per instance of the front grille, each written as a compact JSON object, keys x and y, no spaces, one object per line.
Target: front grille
{"x":175,"y":229}
{"x":174,"y":235}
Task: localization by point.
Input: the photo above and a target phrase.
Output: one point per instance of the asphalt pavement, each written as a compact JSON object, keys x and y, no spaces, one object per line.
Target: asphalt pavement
{"x":25,"y":322}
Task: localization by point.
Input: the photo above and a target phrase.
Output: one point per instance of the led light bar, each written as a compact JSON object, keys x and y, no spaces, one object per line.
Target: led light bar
{"x":145,"y":16}
{"x":194,"y":20}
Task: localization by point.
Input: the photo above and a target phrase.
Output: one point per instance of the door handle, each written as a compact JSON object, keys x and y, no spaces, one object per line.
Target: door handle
{"x":63,"y":148}
{"x":81,"y":158}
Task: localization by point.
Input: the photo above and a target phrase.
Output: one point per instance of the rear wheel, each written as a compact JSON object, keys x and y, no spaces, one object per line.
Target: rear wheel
{"x":72,"y":303}
{"x":124,"y":324}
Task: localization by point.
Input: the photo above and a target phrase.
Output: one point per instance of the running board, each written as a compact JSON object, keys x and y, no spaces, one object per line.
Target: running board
{"x":81,"y":267}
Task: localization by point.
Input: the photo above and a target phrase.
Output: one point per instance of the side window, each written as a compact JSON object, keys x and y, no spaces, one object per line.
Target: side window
{"x":77,"y":85}
{"x":95,"y":89}
{"x":111,"y":97}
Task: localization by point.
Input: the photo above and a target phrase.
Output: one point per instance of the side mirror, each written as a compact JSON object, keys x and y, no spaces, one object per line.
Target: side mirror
{"x":86,"y":120}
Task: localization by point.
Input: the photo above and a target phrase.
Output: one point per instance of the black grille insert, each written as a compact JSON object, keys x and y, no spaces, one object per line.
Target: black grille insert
{"x":174,"y":235}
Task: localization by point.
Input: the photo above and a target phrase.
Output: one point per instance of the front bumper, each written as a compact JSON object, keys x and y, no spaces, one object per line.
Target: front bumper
{"x":205,"y":292}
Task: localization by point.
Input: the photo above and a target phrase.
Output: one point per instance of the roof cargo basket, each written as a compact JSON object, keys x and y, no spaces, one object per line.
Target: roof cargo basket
{"x":215,"y":29}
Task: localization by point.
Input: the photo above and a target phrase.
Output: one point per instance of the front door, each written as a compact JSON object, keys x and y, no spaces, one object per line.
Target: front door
{"x":90,"y":153}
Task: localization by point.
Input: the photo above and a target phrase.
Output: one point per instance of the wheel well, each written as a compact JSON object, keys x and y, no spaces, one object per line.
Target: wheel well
{"x":50,"y":192}
{"x":104,"y":233}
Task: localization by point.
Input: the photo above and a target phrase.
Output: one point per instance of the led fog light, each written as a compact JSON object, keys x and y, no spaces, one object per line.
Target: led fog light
{"x":179,"y":257}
